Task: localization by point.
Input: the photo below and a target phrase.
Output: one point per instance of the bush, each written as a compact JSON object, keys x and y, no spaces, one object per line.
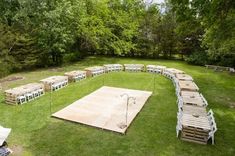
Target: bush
{"x":4,"y":70}
{"x":197,"y":58}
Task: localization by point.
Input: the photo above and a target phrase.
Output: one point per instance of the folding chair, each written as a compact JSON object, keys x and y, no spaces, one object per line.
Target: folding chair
{"x":179,"y":125}
{"x":29,"y":96}
{"x":54,"y":87}
{"x":164,"y":73}
{"x":149,"y":69}
{"x":178,"y":128}
{"x":158,"y":71}
{"x":41,"y":92}
{"x":35,"y":94}
{"x":21,"y":100}
{"x":210,"y":113}
{"x":212,"y":133}
{"x":94,"y":73}
{"x":204,"y":100}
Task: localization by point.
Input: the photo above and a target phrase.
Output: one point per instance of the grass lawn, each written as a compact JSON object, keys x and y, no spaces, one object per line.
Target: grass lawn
{"x":152,"y":132}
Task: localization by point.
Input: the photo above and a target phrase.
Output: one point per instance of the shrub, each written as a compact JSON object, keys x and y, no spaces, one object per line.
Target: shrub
{"x":197,"y":58}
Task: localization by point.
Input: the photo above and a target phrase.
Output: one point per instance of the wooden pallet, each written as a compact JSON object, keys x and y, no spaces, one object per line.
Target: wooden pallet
{"x":184,"y":77}
{"x":90,"y":71}
{"x":194,"y":110}
{"x":193,"y":140}
{"x":217,"y":68}
{"x":188,"y":86}
{"x":113,"y":67}
{"x":48,"y":82}
{"x":155,"y":69}
{"x":11,"y":95}
{"x":194,"y":135}
{"x":195,"y":131}
{"x":134,"y":67}
{"x":174,"y":71}
{"x":73,"y":74}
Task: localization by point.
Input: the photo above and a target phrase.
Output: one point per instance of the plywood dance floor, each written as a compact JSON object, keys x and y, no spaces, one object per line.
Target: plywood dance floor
{"x":105,"y":108}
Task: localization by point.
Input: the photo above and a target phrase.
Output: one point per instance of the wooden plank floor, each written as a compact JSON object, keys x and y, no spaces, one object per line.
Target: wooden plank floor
{"x":105,"y":108}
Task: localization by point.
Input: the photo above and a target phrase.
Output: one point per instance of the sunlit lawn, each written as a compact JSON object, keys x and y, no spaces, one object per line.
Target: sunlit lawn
{"x":152,"y":132}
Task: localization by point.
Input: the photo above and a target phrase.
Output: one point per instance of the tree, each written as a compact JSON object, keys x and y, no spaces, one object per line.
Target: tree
{"x":219,"y":38}
{"x":189,"y":30}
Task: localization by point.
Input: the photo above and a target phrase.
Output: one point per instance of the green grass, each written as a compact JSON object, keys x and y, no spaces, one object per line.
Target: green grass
{"x":151,"y":133}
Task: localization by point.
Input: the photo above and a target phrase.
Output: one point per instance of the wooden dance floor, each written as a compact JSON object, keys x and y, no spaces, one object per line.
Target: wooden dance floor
{"x":105,"y":108}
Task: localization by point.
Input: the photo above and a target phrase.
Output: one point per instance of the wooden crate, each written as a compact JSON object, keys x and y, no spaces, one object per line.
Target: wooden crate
{"x":73,"y":75}
{"x":11,"y":95}
{"x":53,"y":80}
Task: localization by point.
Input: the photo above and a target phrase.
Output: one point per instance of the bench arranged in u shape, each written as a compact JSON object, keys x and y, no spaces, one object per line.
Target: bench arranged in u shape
{"x":54,"y":83}
{"x":23,"y":94}
{"x":95,"y":71}
{"x":77,"y":75}
{"x":113,"y":67}
{"x":194,"y":123}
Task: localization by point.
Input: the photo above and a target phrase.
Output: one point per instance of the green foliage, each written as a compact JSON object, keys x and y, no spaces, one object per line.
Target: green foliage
{"x":197,"y":58}
{"x":210,"y":26}
{"x":220,"y":34}
{"x":47,"y":33}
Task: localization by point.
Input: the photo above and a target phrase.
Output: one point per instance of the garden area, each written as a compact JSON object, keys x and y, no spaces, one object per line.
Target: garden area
{"x":35,"y":132}
{"x":117,"y":77}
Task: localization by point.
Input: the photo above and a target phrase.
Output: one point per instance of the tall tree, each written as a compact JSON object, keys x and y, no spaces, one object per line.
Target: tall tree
{"x":189,"y":29}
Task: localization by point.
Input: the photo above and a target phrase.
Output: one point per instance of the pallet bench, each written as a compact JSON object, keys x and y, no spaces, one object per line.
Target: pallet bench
{"x":134,"y":67}
{"x":174,"y":71}
{"x":184,"y":77}
{"x":55,"y":83}
{"x":195,"y":128}
{"x":190,"y":93}
{"x":231,"y":70}
{"x":188,"y":86}
{"x":194,"y":110}
{"x":194,"y":101}
{"x":94,"y":71}
{"x":75,"y":76}
{"x":113,"y":67}
{"x":23,"y":94}
{"x":155,"y":69}
{"x":218,"y":68}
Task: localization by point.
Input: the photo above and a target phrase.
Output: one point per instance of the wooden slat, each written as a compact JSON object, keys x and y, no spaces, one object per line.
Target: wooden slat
{"x":193,"y":140}
{"x":190,"y":93}
{"x":190,"y":100}
{"x":174,"y":71}
{"x":188,"y":86}
{"x":193,"y":110}
{"x":197,"y":122}
{"x":184,"y":77}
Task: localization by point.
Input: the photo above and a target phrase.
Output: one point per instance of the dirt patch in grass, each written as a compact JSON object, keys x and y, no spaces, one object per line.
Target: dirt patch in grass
{"x":12,"y":78}
{"x":56,"y":69}
{"x":17,"y":150}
